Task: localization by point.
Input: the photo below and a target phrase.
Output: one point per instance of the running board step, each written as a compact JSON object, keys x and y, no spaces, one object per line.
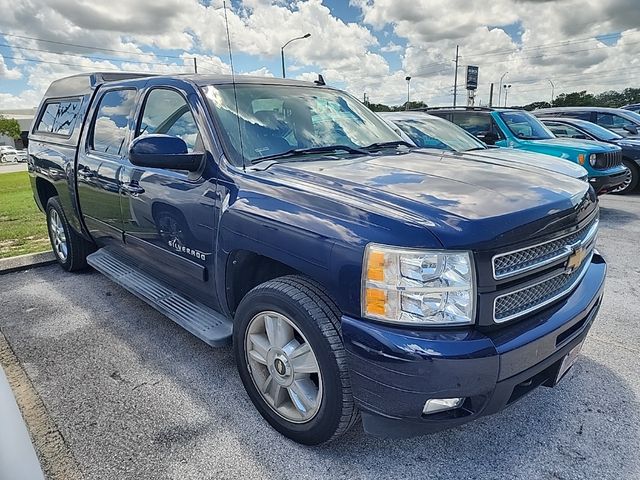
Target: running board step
{"x":205,"y":323}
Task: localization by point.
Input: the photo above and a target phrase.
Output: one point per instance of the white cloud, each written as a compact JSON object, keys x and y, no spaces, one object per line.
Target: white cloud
{"x":346,"y":53}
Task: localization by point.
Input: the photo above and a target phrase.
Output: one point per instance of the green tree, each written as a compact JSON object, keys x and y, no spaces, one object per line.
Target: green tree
{"x":536,"y":105}
{"x":9,"y":127}
{"x":575,"y":99}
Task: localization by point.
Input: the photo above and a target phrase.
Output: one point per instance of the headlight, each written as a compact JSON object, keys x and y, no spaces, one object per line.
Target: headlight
{"x":427,"y":287}
{"x":593,"y":159}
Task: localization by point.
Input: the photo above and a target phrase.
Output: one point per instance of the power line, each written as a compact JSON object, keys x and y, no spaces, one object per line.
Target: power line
{"x":547,"y":45}
{"x":77,"y":45}
{"x":89,"y":67}
{"x":87,"y":56}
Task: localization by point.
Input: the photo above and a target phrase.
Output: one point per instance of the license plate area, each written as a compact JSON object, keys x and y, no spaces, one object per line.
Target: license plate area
{"x":568,"y":361}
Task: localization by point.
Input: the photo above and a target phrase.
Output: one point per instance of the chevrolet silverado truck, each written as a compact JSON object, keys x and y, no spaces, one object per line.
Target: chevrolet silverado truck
{"x":355,"y":276}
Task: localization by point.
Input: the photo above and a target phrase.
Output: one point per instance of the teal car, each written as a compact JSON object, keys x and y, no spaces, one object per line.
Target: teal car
{"x":520,"y":130}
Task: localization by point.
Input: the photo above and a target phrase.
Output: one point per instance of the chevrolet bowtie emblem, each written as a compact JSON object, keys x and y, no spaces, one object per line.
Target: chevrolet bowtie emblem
{"x":576,"y":259}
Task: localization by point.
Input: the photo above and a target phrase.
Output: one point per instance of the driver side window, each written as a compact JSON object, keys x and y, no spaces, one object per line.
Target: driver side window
{"x":167,"y":112}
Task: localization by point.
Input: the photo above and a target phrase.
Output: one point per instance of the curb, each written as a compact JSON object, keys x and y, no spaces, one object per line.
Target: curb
{"x":23,"y":262}
{"x":17,"y":456}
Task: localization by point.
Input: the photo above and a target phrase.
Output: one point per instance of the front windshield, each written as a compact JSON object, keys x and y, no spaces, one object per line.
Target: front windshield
{"x":599,"y":132}
{"x":438,"y":133}
{"x":525,"y":126}
{"x":274,"y":119}
{"x":633,"y":116}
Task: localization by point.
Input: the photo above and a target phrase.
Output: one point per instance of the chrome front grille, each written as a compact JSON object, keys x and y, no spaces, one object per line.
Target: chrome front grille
{"x":526,"y":259}
{"x":526,"y":300}
{"x":608,"y":160}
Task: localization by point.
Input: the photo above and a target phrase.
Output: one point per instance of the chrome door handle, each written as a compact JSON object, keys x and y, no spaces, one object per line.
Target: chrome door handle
{"x":132,"y":188}
{"x":86,"y":172}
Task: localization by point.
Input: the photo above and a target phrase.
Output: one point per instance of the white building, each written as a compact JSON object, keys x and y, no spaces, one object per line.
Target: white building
{"x":24,"y":116}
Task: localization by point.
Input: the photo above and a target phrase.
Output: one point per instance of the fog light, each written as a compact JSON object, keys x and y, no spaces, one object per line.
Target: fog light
{"x":435,"y":405}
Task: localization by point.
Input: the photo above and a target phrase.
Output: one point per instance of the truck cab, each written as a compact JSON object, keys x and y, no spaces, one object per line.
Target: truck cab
{"x":355,"y":276}
{"x":520,"y":130}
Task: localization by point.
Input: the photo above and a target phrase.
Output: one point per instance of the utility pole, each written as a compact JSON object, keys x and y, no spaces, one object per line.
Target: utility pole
{"x":553,"y":88}
{"x":491,"y":96}
{"x":195,"y":65}
{"x":408,"y":79}
{"x":455,"y":80}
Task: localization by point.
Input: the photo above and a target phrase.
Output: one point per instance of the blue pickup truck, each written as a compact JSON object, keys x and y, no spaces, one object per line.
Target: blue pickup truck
{"x":355,"y":276}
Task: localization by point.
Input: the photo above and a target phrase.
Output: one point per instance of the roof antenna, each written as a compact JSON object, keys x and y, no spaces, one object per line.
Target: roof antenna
{"x":319,"y":81}
{"x":233,"y":81}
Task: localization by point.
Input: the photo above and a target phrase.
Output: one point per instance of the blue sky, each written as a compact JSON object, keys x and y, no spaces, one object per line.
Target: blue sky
{"x":364,"y":46}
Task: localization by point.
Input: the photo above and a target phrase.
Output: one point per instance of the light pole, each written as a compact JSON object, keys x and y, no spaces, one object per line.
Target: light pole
{"x":307,"y":35}
{"x":553,"y":90}
{"x":500,"y":88}
{"x":408,"y":79}
{"x":506,"y":93}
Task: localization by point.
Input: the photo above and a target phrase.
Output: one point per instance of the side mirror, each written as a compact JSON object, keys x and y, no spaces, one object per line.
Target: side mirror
{"x":489,"y":138}
{"x":632,"y":129}
{"x":163,"y":151}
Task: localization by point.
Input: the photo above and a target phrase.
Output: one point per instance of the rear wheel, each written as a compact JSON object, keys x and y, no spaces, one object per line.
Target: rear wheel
{"x":292,"y":361}
{"x":69,"y":247}
{"x":631,"y":180}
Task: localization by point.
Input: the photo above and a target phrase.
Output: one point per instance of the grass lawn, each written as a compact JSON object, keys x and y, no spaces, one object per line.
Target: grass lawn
{"x":23,"y":228}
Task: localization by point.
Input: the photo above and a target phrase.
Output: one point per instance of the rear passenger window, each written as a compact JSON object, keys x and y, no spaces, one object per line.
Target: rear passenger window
{"x":476,"y":123}
{"x":59,"y":117}
{"x":112,"y":120}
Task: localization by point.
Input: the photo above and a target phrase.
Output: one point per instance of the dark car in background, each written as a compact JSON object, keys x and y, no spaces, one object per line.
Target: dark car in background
{"x":619,"y":120}
{"x":634,"y":107}
{"x":581,"y":129}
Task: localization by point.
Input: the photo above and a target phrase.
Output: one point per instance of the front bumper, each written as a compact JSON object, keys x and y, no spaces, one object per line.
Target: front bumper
{"x":395,"y":370}
{"x":606,"y":183}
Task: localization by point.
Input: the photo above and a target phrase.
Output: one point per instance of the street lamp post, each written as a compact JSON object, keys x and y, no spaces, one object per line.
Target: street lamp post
{"x":506,"y":93}
{"x":307,"y":35}
{"x":408,"y":79}
{"x":500,"y":88}
{"x":553,"y":90}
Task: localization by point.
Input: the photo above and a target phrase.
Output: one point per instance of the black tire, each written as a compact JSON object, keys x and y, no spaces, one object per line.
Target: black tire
{"x":77,"y":247}
{"x":635,"y":178}
{"x":312,"y":311}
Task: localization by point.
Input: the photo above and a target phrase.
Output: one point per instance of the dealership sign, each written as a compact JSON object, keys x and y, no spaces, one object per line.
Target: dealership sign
{"x":472,"y":77}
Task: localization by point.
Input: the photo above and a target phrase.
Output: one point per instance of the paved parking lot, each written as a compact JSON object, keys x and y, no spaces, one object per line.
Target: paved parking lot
{"x":128,"y":394}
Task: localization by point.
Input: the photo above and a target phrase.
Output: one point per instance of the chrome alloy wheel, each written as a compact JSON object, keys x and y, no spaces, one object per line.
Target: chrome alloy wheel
{"x":627,"y":181}
{"x":283,"y":367}
{"x":58,"y":237}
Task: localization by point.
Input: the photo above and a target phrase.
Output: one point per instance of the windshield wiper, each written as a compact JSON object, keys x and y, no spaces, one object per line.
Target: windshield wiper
{"x":475,"y":149}
{"x":395,"y":143}
{"x":310,"y":151}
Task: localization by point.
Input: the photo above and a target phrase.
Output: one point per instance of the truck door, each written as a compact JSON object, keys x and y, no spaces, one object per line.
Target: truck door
{"x":169,"y":216}
{"x":100,"y":161}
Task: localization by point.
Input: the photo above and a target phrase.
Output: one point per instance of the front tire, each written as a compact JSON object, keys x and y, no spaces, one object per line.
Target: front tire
{"x":68,"y":246}
{"x":291,"y":359}
{"x":632,"y":179}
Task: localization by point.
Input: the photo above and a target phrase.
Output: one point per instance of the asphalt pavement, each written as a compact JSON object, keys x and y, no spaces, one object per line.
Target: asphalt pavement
{"x":130,"y":395}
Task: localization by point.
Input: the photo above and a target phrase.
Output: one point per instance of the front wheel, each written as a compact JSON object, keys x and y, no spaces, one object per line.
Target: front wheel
{"x":292,"y":361}
{"x":631,"y":180}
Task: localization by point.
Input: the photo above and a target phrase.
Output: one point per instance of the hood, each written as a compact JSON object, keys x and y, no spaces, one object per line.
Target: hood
{"x":590,"y":146}
{"x":452,"y":194}
{"x":530,"y":159}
